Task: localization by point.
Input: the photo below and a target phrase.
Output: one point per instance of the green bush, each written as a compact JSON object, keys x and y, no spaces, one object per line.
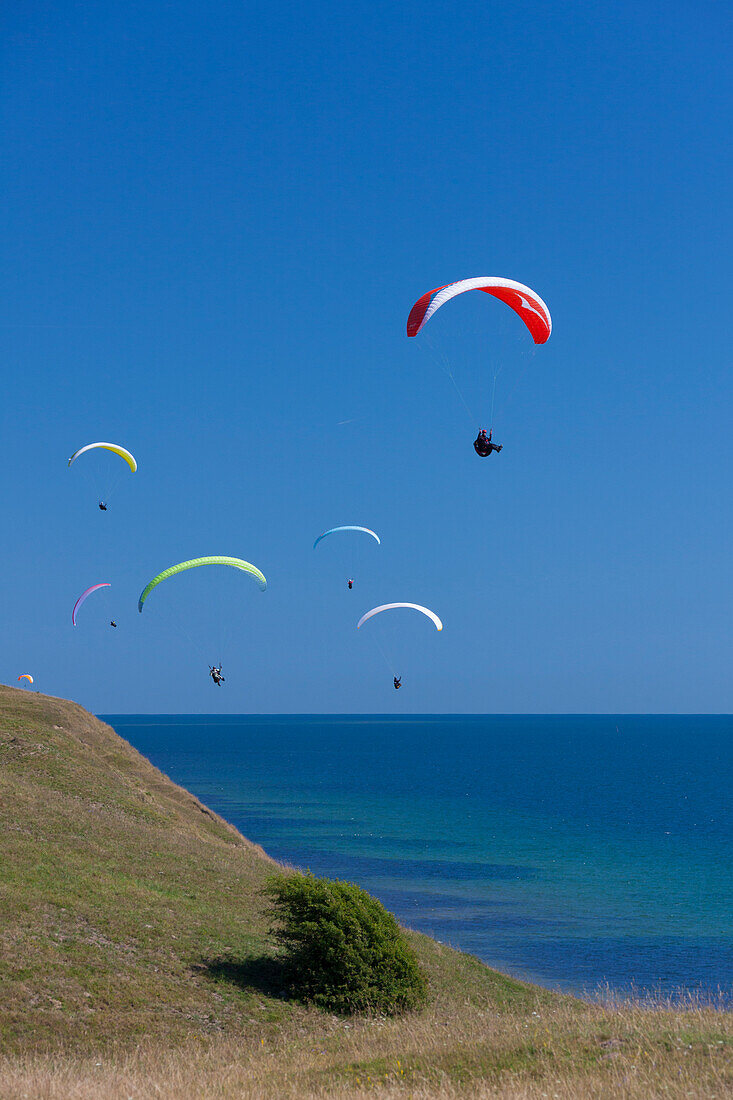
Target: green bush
{"x":342,"y":950}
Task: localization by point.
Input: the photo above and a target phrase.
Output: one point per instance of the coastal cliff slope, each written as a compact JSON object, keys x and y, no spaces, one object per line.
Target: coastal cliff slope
{"x":128,"y":909}
{"x":135,"y":961}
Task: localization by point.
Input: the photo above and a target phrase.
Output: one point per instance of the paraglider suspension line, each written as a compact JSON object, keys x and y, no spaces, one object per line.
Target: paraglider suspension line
{"x":387,"y":661}
{"x":520,"y":375}
{"x":493,"y":398}
{"x":449,"y":372}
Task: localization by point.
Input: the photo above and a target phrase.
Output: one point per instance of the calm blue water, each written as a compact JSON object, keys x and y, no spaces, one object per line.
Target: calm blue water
{"x":574,"y":851}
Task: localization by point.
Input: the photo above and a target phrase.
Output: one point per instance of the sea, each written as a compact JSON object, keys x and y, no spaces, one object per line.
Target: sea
{"x":588,"y":853}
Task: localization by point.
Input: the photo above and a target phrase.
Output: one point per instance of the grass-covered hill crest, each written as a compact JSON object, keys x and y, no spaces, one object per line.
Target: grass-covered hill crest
{"x":136,"y":958}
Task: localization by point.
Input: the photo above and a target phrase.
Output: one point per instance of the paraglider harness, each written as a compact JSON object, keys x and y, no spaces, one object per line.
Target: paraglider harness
{"x":215,"y":674}
{"x":483,"y":446}
{"x":397,"y":682}
{"x":102,"y":506}
{"x":350,"y":583}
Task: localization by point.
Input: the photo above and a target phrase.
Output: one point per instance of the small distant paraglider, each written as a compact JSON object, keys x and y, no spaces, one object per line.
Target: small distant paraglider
{"x":25,"y":676}
{"x":87,"y":592}
{"x":397,"y":680}
{"x":349,"y":527}
{"x":115,"y":448}
{"x":215,"y":674}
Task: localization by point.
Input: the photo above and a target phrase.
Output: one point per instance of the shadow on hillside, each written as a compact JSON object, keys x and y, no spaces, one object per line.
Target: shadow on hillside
{"x":262,"y":974}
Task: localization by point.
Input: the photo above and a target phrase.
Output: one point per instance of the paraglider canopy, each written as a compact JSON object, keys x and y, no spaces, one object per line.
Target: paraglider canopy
{"x":114,"y":447}
{"x":234,"y":563}
{"x":26,"y":676}
{"x":525,"y":302}
{"x":87,"y":592}
{"x":348,"y":527}
{"x":391,"y":606}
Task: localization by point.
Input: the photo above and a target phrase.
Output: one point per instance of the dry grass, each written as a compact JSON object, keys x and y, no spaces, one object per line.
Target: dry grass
{"x":557,"y":1052}
{"x":134,"y":962}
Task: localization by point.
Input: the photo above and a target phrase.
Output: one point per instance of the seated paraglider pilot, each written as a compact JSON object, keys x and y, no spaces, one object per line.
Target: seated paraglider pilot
{"x":112,"y":622}
{"x":102,"y":506}
{"x":483,"y":446}
{"x":397,"y":682}
{"x":215,"y":674}
{"x":350,"y":582}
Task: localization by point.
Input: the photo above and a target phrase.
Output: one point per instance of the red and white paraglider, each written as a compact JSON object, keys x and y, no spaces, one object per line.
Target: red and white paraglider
{"x":525,"y":302}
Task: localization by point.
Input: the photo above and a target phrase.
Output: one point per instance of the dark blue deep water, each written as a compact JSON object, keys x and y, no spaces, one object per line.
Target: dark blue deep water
{"x":574,"y":851}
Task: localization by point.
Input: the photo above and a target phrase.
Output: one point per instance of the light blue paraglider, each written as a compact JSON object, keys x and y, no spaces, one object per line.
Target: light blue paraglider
{"x":349,"y":527}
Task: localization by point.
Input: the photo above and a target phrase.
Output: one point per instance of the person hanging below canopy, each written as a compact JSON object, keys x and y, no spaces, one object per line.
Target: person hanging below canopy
{"x":397,"y":682}
{"x":102,"y":506}
{"x":215,"y":674}
{"x":483,"y":446}
{"x":112,"y":623}
{"x":350,"y":582}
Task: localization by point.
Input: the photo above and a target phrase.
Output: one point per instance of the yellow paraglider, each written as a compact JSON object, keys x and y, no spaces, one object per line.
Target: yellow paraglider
{"x":114,"y":447}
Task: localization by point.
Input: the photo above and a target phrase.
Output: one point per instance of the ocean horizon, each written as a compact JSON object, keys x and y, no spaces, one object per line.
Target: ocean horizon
{"x":582,"y":852}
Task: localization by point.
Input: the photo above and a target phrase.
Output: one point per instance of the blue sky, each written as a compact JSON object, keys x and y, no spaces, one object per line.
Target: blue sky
{"x":215,"y":220}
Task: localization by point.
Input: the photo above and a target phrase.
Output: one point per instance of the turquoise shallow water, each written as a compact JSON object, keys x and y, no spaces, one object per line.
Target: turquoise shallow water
{"x":575,"y":851}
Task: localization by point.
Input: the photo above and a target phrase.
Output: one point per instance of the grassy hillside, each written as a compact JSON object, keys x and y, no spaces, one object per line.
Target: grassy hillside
{"x":135,"y":961}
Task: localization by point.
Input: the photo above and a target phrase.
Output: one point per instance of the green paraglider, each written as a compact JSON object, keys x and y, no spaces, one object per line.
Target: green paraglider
{"x":234,"y":563}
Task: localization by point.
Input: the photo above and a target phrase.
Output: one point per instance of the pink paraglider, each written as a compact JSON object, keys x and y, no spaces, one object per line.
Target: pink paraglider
{"x":88,"y":592}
